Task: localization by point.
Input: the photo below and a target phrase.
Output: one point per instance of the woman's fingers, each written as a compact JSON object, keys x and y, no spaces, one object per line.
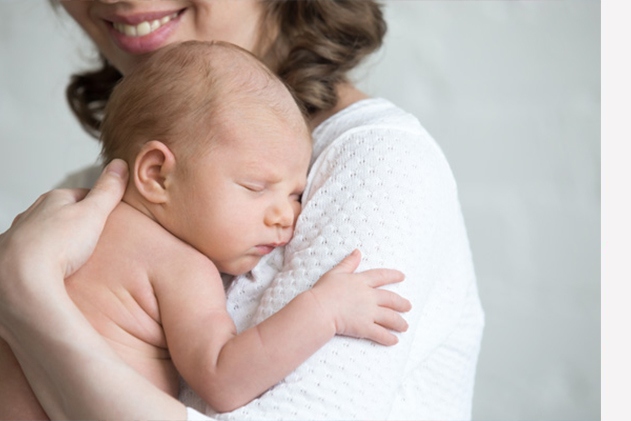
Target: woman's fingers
{"x":88,"y":216}
{"x":63,"y":226}
{"x":108,"y":189}
{"x":76,"y":195}
{"x":35,"y":204}
{"x":17,"y":217}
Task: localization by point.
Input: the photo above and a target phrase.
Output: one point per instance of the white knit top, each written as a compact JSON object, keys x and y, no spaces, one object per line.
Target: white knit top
{"x":378,"y":183}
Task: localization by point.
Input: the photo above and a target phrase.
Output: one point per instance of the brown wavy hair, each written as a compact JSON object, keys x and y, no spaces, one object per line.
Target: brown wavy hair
{"x":311,"y":45}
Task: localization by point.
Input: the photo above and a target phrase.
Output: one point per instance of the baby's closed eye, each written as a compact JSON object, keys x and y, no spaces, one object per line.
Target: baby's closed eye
{"x":257,"y":188}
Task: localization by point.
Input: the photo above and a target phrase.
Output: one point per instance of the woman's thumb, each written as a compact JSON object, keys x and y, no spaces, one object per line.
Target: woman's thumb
{"x":108,"y":189}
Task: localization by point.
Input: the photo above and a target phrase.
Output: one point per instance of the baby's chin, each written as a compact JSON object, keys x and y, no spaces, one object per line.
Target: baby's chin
{"x":239,"y":266}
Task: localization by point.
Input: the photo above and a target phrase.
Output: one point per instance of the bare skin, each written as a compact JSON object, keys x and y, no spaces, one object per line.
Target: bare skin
{"x":62,"y":229}
{"x":144,"y":287}
{"x":49,"y":356}
{"x":121,"y":302}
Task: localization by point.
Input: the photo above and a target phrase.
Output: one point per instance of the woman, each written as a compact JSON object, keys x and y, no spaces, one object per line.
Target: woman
{"x":378,"y":183}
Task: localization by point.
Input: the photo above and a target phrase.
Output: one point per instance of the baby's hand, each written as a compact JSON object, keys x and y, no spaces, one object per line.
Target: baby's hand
{"x":357,"y":307}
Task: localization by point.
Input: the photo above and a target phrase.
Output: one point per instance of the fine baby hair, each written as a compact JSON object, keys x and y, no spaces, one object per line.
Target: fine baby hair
{"x":174,"y":95}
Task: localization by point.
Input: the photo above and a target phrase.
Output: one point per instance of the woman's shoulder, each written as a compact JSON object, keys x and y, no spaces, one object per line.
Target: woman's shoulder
{"x":374,"y":120}
{"x":375,"y":132}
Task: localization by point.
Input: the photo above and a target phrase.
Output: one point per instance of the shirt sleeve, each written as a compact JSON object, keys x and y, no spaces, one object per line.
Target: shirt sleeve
{"x":391,"y":194}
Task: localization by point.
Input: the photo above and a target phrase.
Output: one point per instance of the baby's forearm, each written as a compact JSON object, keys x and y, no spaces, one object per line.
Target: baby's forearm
{"x":258,"y":358}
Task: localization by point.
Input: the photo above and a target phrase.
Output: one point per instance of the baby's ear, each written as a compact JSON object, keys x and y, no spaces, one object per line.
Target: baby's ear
{"x":153,"y":170}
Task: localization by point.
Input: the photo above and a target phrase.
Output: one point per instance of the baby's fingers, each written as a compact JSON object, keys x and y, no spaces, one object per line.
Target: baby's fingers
{"x":348,"y":264}
{"x":392,"y":320}
{"x":381,"y":335}
{"x":380,"y":277}
{"x":392,"y":300}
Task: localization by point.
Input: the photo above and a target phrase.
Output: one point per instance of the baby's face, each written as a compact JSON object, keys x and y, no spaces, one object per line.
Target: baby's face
{"x":240,"y":200}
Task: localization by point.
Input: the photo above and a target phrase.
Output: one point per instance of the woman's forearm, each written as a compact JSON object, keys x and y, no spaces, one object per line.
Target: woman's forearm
{"x":17,"y":401}
{"x":75,"y":374}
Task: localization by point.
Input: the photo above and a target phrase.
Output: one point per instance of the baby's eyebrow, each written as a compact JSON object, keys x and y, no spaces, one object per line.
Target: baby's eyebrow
{"x":262,"y":170}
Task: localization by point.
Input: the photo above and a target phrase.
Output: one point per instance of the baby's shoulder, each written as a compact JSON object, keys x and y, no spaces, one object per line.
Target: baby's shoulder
{"x":145,"y":242}
{"x":141,"y":246}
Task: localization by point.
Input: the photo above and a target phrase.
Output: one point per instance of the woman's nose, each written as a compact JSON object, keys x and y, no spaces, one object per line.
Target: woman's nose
{"x":281,"y":214}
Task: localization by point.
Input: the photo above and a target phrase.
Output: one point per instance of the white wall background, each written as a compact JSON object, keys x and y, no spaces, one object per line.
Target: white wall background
{"x":511,"y":92}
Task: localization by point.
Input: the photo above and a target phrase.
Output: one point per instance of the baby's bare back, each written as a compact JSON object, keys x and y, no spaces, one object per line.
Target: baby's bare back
{"x":114,"y":291}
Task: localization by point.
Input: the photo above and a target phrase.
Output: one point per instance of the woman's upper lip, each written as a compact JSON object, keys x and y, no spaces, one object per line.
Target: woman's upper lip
{"x":136,"y":18}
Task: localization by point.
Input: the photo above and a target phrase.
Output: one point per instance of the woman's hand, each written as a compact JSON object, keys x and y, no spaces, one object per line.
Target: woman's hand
{"x":69,"y":366}
{"x":53,"y":238}
{"x":359,"y":309}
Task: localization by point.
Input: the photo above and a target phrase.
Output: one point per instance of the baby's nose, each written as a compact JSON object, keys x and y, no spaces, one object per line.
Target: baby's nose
{"x":281,"y":214}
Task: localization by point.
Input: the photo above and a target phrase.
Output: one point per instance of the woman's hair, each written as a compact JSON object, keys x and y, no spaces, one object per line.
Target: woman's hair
{"x":311,"y":45}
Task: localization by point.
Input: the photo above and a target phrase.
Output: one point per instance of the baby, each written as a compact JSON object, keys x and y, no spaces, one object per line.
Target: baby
{"x":218,"y":153}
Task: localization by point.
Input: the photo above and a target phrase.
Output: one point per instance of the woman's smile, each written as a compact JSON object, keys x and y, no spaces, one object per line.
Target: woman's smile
{"x":124,"y":30}
{"x":143,"y":28}
{"x":143,"y":33}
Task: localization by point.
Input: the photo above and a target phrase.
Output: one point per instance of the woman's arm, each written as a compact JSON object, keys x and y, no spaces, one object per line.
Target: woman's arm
{"x":71,"y":369}
{"x":17,"y":400}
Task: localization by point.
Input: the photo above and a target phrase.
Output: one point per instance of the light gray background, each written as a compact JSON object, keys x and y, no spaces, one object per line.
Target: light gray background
{"x":511,"y":92}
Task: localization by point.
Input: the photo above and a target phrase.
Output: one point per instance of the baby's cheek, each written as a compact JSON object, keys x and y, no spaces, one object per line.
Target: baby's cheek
{"x":241,"y":265}
{"x":297,"y":208}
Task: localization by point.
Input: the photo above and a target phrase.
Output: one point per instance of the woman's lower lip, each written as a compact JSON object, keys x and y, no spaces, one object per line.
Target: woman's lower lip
{"x":146,"y":43}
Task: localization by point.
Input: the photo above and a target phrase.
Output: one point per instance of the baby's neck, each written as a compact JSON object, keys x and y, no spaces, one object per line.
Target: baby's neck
{"x":134,"y":199}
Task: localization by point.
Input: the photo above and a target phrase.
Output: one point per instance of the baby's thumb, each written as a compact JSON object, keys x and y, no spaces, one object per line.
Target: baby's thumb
{"x":348,"y":264}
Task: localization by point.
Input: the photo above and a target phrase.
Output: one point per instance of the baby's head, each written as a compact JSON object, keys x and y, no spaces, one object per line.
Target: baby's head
{"x":217,"y":147}
{"x":177,"y":94}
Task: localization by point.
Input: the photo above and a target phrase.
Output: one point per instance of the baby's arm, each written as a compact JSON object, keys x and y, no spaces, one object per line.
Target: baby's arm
{"x":229,"y":370}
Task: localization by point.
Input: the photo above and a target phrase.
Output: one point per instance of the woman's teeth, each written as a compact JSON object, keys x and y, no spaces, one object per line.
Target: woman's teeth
{"x":143,"y":28}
